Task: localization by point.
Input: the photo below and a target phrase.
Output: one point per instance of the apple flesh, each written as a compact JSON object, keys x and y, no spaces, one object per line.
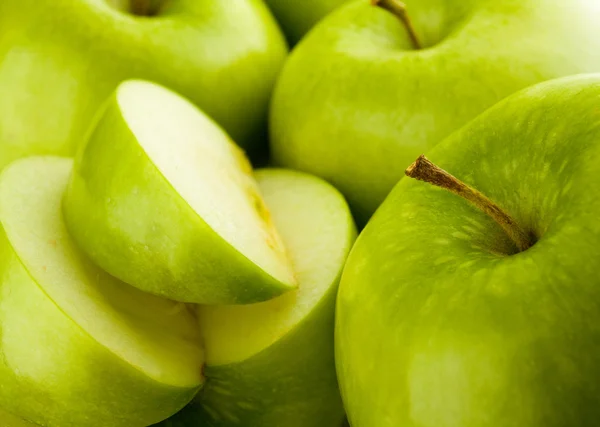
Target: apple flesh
{"x":370,"y":103}
{"x":271,"y":364}
{"x":163,"y":199}
{"x":60,"y":59}
{"x":441,"y":321}
{"x":78,"y":347}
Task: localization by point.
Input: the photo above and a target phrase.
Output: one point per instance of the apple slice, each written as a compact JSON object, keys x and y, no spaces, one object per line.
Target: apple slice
{"x":161,"y":198}
{"x":78,"y":347}
{"x":271,"y":364}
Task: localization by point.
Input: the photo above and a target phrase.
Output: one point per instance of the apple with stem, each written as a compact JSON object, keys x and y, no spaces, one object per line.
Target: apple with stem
{"x":163,"y":199}
{"x":483,"y":310}
{"x":383,"y":82}
{"x":60,"y":59}
{"x":78,"y":347}
{"x":297,"y":19}
{"x":271,"y":364}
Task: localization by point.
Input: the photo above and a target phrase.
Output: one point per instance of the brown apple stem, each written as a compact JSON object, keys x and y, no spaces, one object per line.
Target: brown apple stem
{"x":424,"y":170}
{"x":398,"y":8}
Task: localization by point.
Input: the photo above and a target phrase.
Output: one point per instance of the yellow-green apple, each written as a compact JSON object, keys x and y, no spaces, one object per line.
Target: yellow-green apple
{"x":59,"y":59}
{"x":359,"y":98}
{"x":484,"y":310}
{"x":78,"y":348}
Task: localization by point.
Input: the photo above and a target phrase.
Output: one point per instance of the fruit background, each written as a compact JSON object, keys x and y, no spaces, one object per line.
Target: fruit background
{"x":327,"y":213}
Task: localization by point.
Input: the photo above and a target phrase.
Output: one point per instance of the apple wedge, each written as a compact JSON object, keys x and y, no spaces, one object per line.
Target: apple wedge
{"x":271,"y":364}
{"x":78,"y":348}
{"x":161,"y":198}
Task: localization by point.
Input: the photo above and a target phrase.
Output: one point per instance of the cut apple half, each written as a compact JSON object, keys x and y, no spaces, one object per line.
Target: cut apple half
{"x":164,"y":200}
{"x":79,"y":347}
{"x":271,"y":364}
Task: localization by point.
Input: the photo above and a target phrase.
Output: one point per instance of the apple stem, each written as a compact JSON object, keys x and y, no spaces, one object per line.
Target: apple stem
{"x":424,"y":170}
{"x":398,"y":8}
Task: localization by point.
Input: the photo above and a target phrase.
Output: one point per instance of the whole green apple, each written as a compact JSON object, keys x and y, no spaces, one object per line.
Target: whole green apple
{"x":78,"y":348}
{"x":60,"y":59}
{"x":357,"y":102}
{"x":271,"y":364}
{"x":163,"y":199}
{"x":296,"y":18}
{"x":442,"y":320}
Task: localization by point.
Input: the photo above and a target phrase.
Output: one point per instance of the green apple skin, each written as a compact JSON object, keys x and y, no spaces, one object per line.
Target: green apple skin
{"x":129,"y":220}
{"x":292,"y":382}
{"x":296,"y":19}
{"x":9,"y":420}
{"x":54,"y":372}
{"x":55,"y":73}
{"x":370,"y":104}
{"x":440,"y":322}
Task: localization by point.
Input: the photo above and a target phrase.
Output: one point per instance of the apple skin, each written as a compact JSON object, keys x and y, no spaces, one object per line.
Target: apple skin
{"x":9,"y":420}
{"x":292,"y":382}
{"x":370,"y":104}
{"x":296,"y":19}
{"x":441,"y":322}
{"x":55,"y":73}
{"x":54,"y":372}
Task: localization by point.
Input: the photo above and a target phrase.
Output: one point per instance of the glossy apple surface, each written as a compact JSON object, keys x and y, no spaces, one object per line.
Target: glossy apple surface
{"x":441,"y":321}
{"x":79,"y":348}
{"x":163,"y":199}
{"x":271,"y":364}
{"x":60,"y":59}
{"x":356,"y":103}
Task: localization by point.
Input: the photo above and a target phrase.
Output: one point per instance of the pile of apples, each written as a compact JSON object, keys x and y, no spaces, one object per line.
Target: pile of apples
{"x":182,"y":183}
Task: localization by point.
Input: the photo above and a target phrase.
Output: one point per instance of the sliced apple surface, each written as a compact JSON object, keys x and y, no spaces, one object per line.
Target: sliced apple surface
{"x":162,"y":199}
{"x":79,"y":348}
{"x":272,"y":363}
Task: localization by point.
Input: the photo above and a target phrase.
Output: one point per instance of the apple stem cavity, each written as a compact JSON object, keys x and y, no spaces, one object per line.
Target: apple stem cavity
{"x":143,"y":7}
{"x":424,"y":170}
{"x":398,"y":8}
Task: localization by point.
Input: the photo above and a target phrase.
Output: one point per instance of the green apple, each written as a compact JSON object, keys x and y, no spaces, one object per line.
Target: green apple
{"x":370,"y":102}
{"x":297,"y":18}
{"x":271,"y":364}
{"x":442,"y":321}
{"x":161,"y":198}
{"x":59,"y":59}
{"x":77,"y":347}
